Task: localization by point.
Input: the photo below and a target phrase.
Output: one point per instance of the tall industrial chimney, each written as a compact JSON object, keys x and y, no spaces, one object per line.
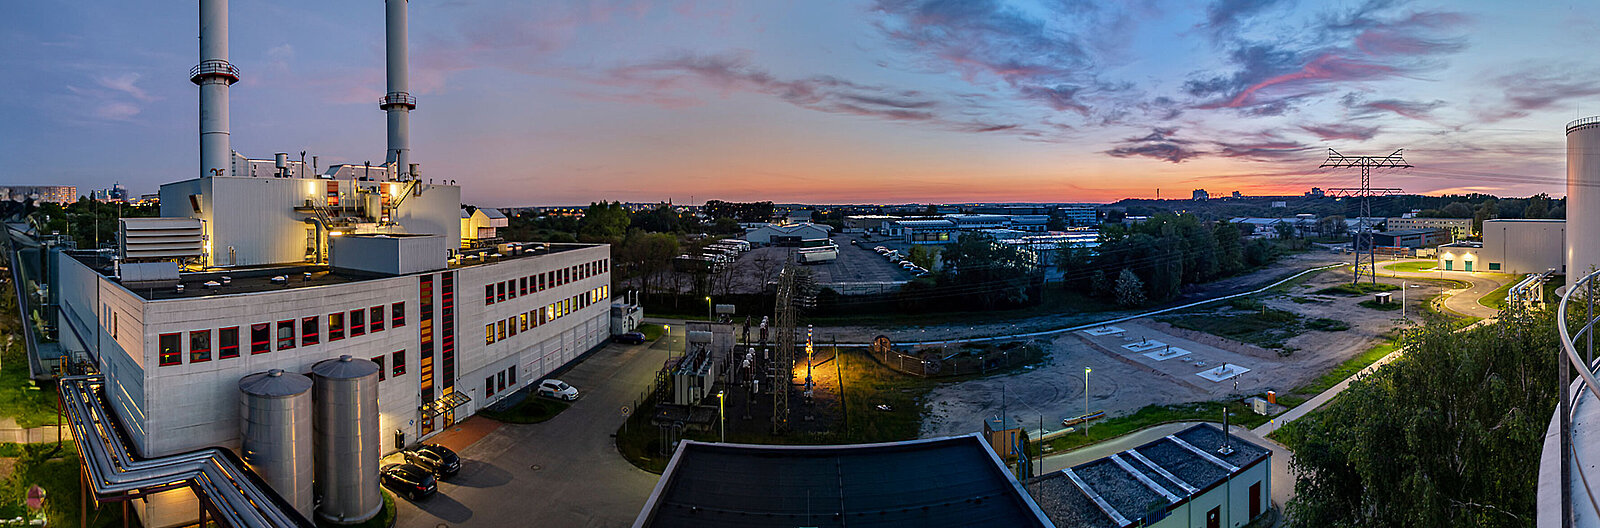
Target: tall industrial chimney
{"x":214,"y":74}
{"x":398,"y":102}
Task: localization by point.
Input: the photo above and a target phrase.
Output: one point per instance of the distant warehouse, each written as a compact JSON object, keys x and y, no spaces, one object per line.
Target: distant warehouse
{"x":786,"y":235}
{"x":1410,"y":238}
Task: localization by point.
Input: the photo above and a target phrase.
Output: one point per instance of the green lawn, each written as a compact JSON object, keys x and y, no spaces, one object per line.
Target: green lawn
{"x":1497,"y":298}
{"x":1413,"y":266}
{"x":31,"y":404}
{"x":1346,"y":369}
{"x":532,"y":409}
{"x":1152,"y":415}
{"x":651,"y":332}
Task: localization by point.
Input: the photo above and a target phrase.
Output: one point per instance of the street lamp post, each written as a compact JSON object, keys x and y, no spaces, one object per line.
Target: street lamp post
{"x":668,"y":336}
{"x":709,"y":315}
{"x":722,"y":421}
{"x":1085,"y":402}
{"x":808,"y":358}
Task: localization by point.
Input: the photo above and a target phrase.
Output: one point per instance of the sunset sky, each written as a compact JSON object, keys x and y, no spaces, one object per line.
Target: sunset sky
{"x":558,"y":102}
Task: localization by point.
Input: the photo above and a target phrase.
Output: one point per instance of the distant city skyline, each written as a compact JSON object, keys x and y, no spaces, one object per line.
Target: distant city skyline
{"x":887,"y":101}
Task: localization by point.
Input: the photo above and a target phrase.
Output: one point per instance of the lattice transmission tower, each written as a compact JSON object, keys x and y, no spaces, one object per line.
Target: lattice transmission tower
{"x":1363,"y":243}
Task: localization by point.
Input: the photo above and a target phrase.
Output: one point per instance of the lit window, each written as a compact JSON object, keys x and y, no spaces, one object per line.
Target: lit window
{"x":524,"y":321}
{"x":260,"y":338}
{"x":512,"y":322}
{"x":228,"y":342}
{"x":500,"y":330}
{"x":286,"y":334}
{"x":335,"y":327}
{"x":310,"y":332}
{"x":377,"y":319}
{"x":199,"y":346}
{"x":488,"y":334}
{"x":170,"y":354}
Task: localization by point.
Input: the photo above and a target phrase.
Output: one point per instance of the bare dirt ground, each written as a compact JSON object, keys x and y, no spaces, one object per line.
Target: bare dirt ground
{"x":1124,"y":380}
{"x":912,"y":332}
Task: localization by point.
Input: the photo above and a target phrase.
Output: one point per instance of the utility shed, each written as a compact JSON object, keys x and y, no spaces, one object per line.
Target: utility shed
{"x":1182,"y":480}
{"x":933,"y":483}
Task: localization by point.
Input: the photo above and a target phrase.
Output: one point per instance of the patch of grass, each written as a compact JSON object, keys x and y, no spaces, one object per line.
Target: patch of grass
{"x":531,"y":410}
{"x":1374,"y":304}
{"x":1264,"y":327}
{"x":867,"y":385}
{"x":1414,"y":266}
{"x":1361,"y":288}
{"x":57,"y":472}
{"x":1497,"y":298}
{"x":651,"y":332}
{"x":1305,"y":300}
{"x":1349,"y":368}
{"x":1327,"y":325}
{"x":31,"y":404}
{"x":1152,"y":415}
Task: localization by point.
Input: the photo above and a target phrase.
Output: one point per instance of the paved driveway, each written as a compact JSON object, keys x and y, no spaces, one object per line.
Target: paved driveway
{"x":1464,"y":302}
{"x":581,"y":480}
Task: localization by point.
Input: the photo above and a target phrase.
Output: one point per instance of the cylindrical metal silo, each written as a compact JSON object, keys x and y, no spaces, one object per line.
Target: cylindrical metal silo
{"x":275,"y":428}
{"x":1583,"y":196}
{"x":345,"y":397}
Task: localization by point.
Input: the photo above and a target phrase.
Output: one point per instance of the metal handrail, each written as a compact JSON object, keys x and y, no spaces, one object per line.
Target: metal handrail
{"x":1586,"y":373}
{"x":1581,"y":122}
{"x":214,"y":67}
{"x":397,"y":98}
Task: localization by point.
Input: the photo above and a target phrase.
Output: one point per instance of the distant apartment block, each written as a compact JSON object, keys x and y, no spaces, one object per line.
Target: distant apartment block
{"x":1080,"y":216}
{"x":1459,"y":228}
{"x":40,"y":193}
{"x":1200,"y":195}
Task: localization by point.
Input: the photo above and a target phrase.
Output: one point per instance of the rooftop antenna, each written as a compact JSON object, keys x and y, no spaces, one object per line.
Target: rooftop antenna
{"x":1366,"y":192}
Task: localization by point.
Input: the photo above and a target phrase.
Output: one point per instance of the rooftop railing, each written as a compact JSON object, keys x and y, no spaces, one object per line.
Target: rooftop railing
{"x":1579,"y":123}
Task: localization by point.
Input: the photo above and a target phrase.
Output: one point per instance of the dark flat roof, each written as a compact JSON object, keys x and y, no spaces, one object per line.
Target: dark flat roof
{"x":953,"y":481}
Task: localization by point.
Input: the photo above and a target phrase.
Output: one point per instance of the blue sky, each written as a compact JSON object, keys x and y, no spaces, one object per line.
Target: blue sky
{"x":555,"y":102}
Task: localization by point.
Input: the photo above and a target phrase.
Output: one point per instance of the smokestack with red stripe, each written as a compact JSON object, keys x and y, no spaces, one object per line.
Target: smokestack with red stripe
{"x":398,"y":102}
{"x":214,"y":74}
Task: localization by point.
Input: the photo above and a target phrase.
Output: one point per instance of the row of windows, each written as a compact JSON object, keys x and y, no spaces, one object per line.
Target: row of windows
{"x":499,"y":380}
{"x":510,"y":289}
{"x":358,"y":322}
{"x":500,"y":330}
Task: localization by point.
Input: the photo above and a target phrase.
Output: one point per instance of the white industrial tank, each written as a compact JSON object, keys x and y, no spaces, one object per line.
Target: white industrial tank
{"x":275,"y":433}
{"x":1583,"y":196}
{"x":345,"y":422}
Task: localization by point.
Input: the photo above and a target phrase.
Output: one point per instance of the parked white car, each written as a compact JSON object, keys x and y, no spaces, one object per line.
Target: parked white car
{"x":558,"y":389}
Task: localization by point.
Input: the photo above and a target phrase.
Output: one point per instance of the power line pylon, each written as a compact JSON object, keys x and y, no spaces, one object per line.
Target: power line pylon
{"x":783,"y":361}
{"x":1364,"y":233}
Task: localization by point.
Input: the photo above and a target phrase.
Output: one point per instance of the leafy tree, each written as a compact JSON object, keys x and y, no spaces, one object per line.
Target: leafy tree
{"x":1130,"y":290}
{"x":1456,"y":210}
{"x":1230,"y":249}
{"x":1486,"y":211}
{"x":996,"y":274}
{"x":604,"y":222}
{"x":1538,"y":206}
{"x":924,"y":256}
{"x":1099,"y":285}
{"x":1440,"y":437}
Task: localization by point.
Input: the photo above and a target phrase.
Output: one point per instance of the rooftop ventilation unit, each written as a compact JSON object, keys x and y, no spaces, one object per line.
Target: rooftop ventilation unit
{"x":158,"y":239}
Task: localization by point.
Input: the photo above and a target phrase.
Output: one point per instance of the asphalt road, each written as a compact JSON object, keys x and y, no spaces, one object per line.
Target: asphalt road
{"x":1461,"y":302}
{"x":563,"y":472}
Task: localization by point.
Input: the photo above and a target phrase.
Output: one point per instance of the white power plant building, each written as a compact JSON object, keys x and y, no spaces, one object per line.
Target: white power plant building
{"x":207,"y":324}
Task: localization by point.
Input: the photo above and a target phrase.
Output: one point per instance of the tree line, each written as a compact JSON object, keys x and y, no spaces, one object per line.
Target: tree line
{"x":1152,"y":260}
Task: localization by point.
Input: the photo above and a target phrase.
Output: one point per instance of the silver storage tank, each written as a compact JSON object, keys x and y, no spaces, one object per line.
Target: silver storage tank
{"x":346,"y":439}
{"x":275,"y":432}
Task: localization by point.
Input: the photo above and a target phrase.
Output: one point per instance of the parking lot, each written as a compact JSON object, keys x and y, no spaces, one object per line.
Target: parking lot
{"x":856,"y":264}
{"x":563,"y":472}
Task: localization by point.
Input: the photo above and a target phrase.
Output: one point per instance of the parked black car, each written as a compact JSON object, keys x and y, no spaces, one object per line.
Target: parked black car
{"x":435,"y":458}
{"x":633,"y":338}
{"x":408,"y":480}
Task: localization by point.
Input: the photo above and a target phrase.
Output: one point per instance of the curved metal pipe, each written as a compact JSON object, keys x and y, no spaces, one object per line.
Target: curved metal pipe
{"x":238,"y":497}
{"x":322,"y":234}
